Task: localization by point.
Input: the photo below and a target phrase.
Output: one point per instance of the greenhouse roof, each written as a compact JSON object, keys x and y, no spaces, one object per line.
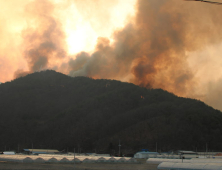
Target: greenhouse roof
{"x":187,"y":166}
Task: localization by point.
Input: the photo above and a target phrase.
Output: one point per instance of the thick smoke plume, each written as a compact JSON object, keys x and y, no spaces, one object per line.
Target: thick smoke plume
{"x":152,"y":50}
{"x":43,"y":39}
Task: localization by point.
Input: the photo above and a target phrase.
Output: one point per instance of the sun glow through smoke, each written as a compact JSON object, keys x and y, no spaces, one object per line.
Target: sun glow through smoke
{"x":82,"y":22}
{"x":83,"y":30}
{"x":83,"y":38}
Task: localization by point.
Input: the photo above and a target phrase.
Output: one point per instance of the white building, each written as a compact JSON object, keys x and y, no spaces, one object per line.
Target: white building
{"x":9,"y":152}
{"x":146,"y":154}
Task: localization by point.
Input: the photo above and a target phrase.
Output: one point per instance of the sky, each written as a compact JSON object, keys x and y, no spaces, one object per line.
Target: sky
{"x":175,"y":45}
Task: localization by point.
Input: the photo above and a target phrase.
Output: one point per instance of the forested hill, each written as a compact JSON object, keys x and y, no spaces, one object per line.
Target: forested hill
{"x":52,"y":110}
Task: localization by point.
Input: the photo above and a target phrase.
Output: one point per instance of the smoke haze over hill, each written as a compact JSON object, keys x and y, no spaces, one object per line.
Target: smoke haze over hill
{"x":170,"y":44}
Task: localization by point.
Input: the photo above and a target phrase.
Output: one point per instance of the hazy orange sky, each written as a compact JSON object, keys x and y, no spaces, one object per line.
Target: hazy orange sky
{"x":171,"y":44}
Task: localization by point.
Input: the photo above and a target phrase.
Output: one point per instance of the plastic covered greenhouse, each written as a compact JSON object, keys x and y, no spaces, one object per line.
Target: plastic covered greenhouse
{"x":189,"y":166}
{"x":160,"y":160}
{"x":63,"y":159}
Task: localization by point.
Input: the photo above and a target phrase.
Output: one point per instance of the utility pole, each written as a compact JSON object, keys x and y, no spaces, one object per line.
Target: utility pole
{"x":119,"y":147}
{"x":182,"y":157}
{"x":74,"y":158}
{"x":156,"y":146}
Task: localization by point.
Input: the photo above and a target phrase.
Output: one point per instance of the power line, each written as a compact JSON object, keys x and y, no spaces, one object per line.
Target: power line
{"x":212,"y":2}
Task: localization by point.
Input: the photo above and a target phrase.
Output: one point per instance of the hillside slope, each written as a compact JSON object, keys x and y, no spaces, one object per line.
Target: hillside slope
{"x":52,"y":110}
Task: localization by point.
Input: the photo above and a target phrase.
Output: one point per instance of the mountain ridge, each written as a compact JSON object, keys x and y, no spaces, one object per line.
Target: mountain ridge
{"x":53,"y":110}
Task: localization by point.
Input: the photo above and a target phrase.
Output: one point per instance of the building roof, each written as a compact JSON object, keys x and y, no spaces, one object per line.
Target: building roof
{"x":187,"y":152}
{"x":142,"y":152}
{"x":41,"y":150}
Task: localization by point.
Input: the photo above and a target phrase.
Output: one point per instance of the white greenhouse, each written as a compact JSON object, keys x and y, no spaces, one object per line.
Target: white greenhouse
{"x":143,"y":154}
{"x":189,"y":166}
{"x":28,"y":160}
{"x":39,"y":160}
{"x":196,"y":160}
{"x":63,"y":159}
{"x":159,"y":160}
{"x":76,"y":160}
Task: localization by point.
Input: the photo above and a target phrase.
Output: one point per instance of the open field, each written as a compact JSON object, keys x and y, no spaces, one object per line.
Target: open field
{"x":80,"y":166}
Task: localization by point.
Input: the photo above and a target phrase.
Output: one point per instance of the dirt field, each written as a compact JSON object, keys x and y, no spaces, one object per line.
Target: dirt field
{"x":82,"y":166}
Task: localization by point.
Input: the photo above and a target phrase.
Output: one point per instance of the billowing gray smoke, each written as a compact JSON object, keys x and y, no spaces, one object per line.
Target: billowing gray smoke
{"x":152,"y":48}
{"x":46,"y":41}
